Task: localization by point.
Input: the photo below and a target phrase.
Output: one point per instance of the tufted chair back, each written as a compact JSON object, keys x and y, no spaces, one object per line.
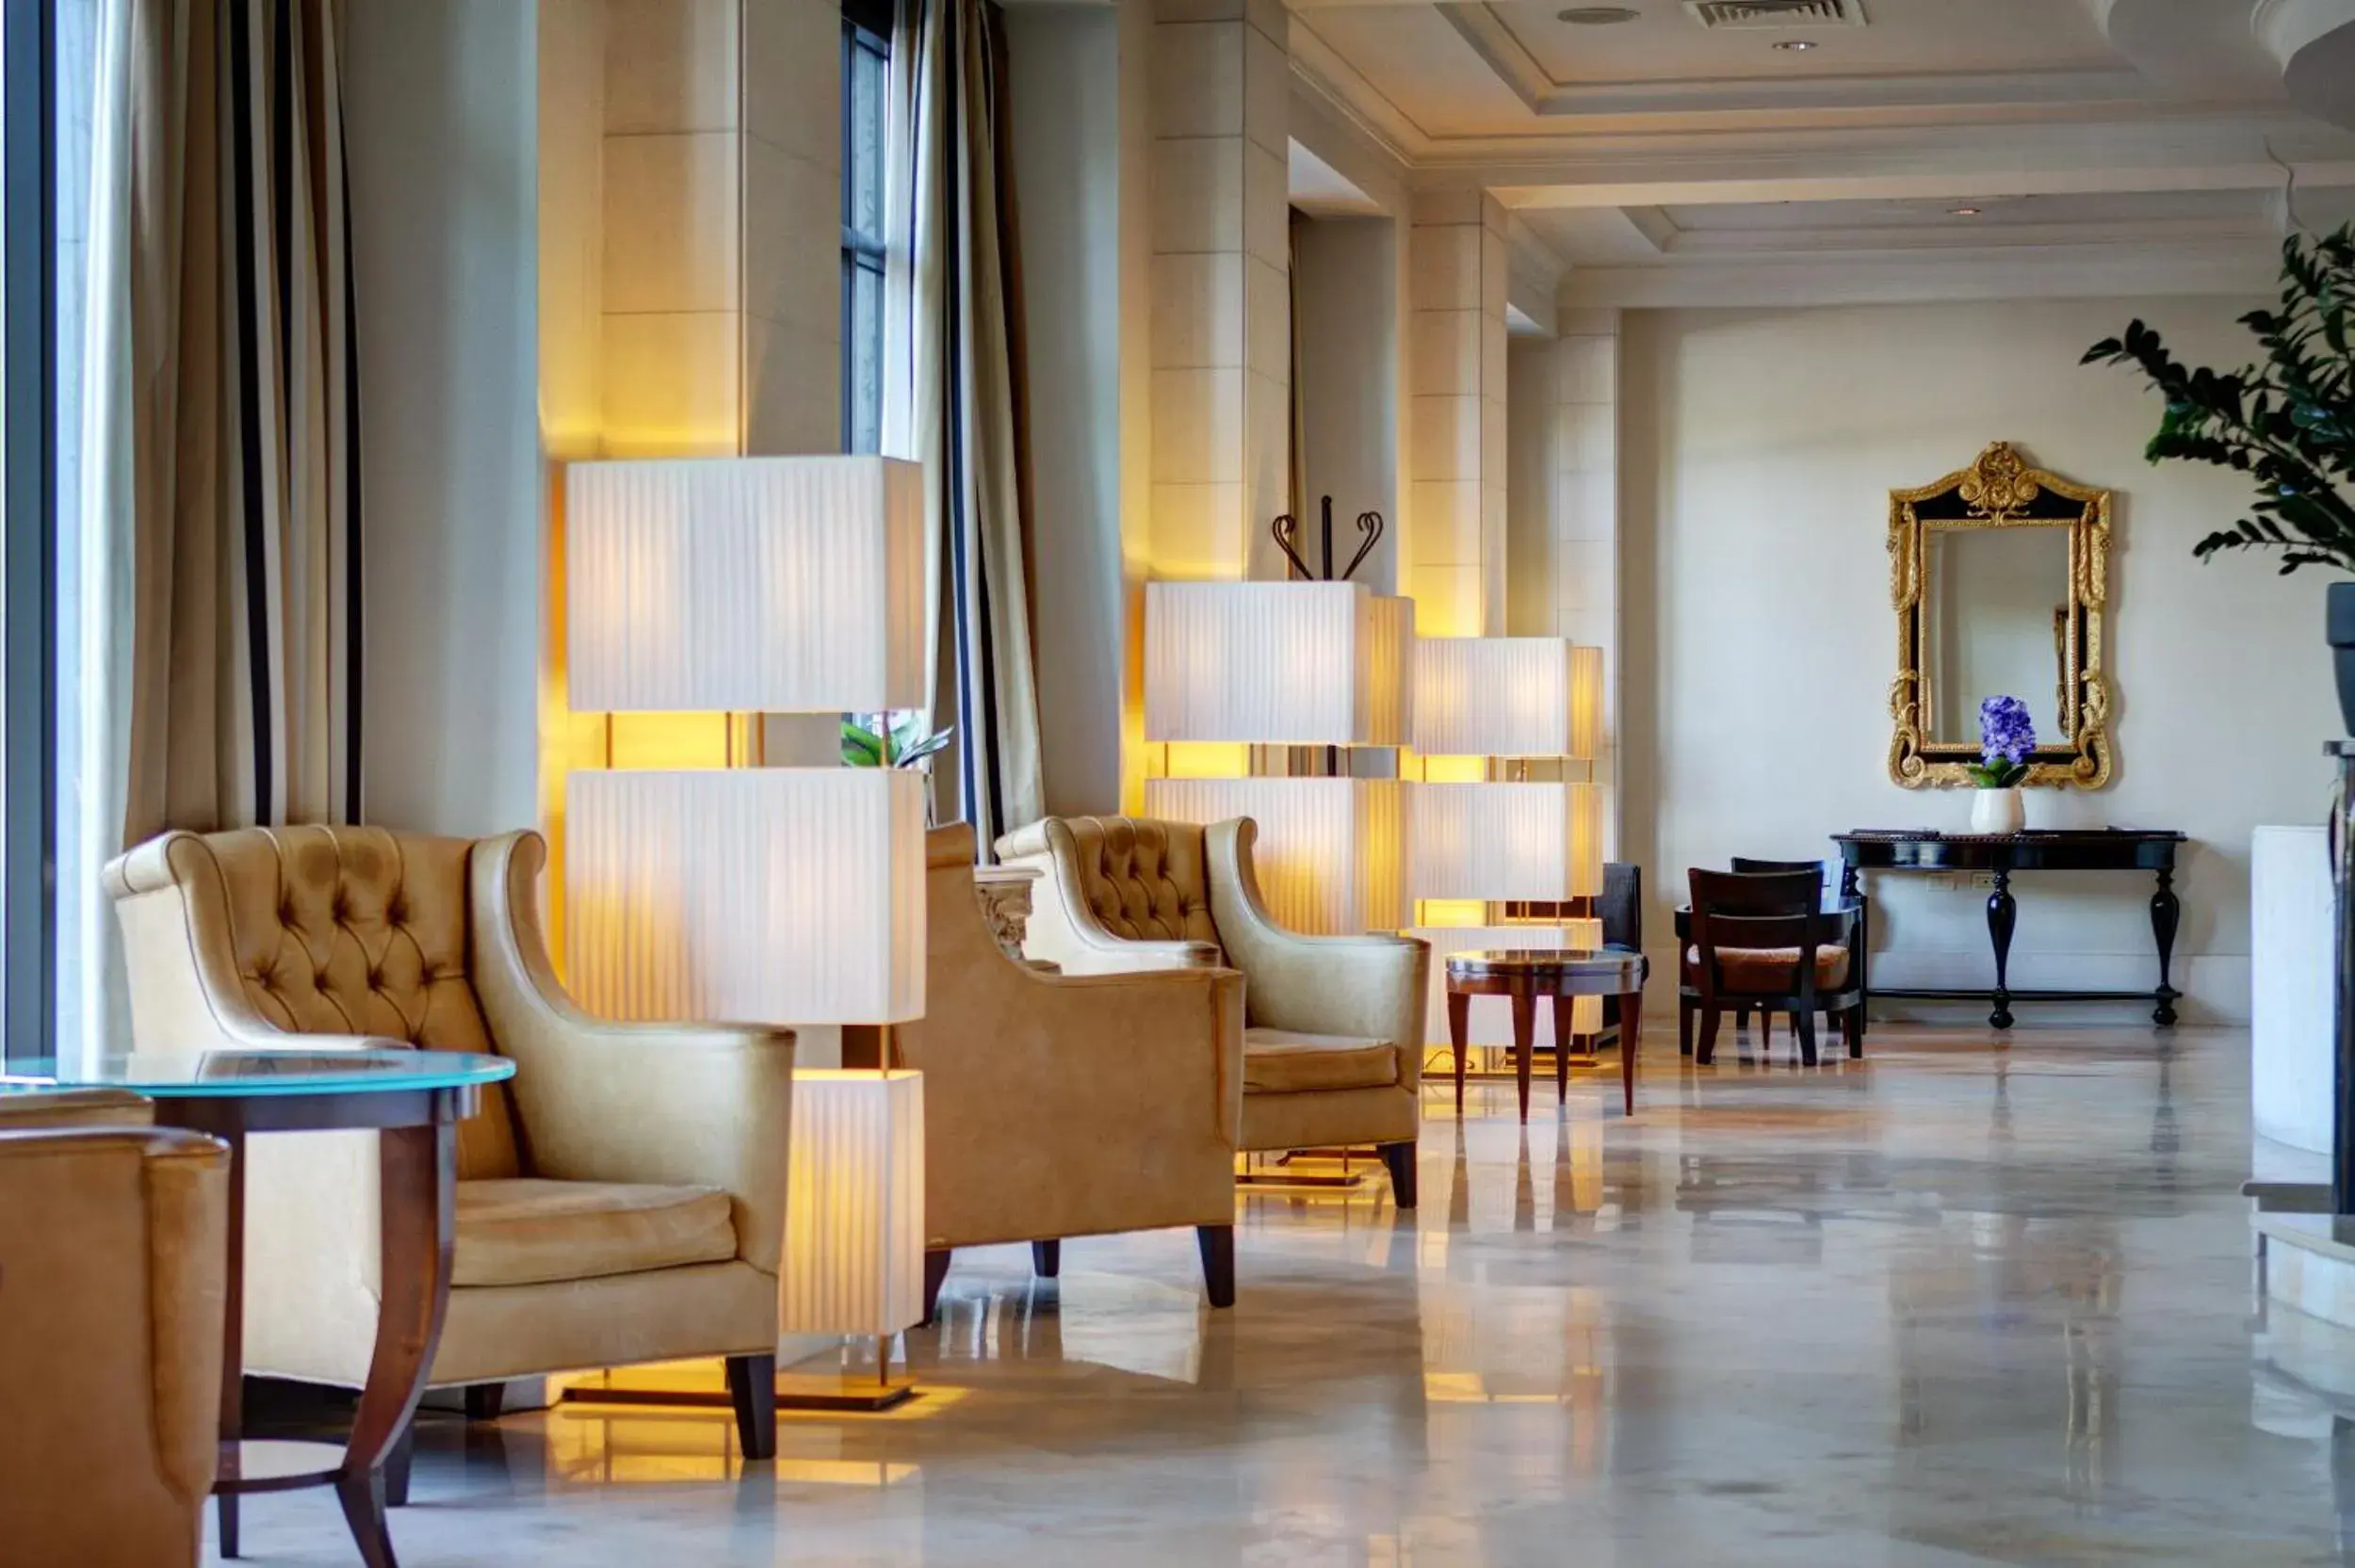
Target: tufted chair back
{"x":316,"y":930}
{"x":1144,"y":880}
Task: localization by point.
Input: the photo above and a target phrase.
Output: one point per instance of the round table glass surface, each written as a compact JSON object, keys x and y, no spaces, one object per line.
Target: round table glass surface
{"x":1534,"y":960}
{"x":221,"y":1075}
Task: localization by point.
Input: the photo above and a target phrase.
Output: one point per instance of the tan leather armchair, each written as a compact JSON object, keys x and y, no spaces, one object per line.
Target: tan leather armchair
{"x":620,"y":1200}
{"x":1333,"y":1036}
{"x":113,"y":1245}
{"x":1064,"y":1106}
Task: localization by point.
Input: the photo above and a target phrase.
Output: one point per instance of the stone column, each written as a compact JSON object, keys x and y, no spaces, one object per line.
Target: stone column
{"x":1454,"y":551}
{"x":1221,"y":305}
{"x":1585,"y":517}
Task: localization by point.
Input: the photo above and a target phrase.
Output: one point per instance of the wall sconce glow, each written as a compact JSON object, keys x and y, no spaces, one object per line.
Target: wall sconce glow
{"x":755,"y":895}
{"x":745,"y":585}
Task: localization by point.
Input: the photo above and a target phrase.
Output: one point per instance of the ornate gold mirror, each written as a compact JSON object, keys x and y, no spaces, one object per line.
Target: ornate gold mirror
{"x":1999,"y":574}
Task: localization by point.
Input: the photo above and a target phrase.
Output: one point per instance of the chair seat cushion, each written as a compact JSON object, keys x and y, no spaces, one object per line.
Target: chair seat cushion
{"x":528,"y":1231}
{"x":1285,"y":1061}
{"x":1774,"y":971}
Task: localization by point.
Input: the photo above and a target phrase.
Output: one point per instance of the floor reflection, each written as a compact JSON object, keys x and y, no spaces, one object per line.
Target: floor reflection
{"x":1959,"y":1301}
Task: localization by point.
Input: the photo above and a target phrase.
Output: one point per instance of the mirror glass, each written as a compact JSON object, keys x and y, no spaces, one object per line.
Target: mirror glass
{"x":1996,"y":624}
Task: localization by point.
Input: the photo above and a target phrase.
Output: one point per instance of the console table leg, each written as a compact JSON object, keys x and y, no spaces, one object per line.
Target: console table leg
{"x":2167,"y":912}
{"x":2002,"y":914}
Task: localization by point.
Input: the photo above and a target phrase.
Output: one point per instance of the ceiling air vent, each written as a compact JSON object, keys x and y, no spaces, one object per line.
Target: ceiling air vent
{"x":1764,"y":14}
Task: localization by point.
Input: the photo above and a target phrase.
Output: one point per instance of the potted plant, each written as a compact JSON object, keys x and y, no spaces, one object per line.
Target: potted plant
{"x":892,"y":740}
{"x":2288,"y":422}
{"x":2006,"y":737}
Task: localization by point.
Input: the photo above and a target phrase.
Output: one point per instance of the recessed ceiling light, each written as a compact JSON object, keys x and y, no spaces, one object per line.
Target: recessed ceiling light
{"x":1796,"y":45}
{"x":1963,"y":212}
{"x":1596,"y":16}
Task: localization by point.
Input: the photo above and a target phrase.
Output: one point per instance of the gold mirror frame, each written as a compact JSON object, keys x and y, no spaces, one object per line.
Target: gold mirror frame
{"x":2001,"y":490}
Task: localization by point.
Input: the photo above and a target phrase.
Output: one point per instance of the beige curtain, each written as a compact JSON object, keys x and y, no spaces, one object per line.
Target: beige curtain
{"x":953,"y":397}
{"x":221,"y":528}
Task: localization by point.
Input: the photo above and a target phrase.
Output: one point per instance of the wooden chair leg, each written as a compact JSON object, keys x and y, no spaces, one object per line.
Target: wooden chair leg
{"x":1218,"y":1262}
{"x":1765,"y":1031}
{"x":396,"y":1465}
{"x":752,"y":1390}
{"x":935,"y":1272}
{"x":1706,"y":1052}
{"x":1685,"y":1025}
{"x":484,"y":1401}
{"x":1047,"y":1259}
{"x":1854,"y":1031}
{"x":1400,"y":1157}
{"x":1803,"y":1024}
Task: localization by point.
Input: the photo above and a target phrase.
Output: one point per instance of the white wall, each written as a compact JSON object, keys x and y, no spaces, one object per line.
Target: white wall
{"x":1760,"y":449}
{"x":443,"y":143}
{"x":1346,"y":296}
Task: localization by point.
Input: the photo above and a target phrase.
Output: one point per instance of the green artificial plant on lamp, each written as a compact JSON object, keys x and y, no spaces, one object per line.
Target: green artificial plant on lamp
{"x":2288,"y":422}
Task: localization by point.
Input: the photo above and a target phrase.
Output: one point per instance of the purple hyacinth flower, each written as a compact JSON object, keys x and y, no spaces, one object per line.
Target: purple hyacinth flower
{"x":2006,"y":733}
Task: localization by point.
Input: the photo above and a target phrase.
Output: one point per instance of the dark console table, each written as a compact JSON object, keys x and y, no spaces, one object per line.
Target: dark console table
{"x":2104,"y":849}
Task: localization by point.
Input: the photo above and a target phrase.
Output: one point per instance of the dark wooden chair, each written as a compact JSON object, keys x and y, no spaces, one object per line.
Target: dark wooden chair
{"x":1744,"y":865}
{"x":1621,"y":911}
{"x":1765,"y":941}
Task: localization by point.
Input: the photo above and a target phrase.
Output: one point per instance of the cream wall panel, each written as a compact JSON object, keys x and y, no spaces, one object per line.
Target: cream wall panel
{"x":671,"y":384}
{"x":670,"y":65}
{"x":1198,"y":310}
{"x":792,"y":77}
{"x":1198,"y":427}
{"x":1197,"y":79}
{"x":793,"y":267}
{"x":673,"y":239}
{"x":1197,"y":197}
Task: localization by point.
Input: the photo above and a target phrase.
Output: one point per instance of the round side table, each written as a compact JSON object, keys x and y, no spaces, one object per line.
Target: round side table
{"x":415,"y":1099}
{"x":1522,"y":974}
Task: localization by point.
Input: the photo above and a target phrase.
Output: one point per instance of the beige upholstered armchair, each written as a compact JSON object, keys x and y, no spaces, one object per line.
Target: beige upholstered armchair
{"x":1332,"y":1042}
{"x":620,"y":1200}
{"x":1062,"y":1106}
{"x":113,"y":1242}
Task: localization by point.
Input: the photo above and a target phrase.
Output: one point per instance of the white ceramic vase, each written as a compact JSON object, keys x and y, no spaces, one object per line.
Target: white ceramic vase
{"x":1997,"y":811}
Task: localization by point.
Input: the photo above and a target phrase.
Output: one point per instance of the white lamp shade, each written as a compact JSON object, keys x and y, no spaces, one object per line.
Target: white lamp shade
{"x":749,"y":895}
{"x":854,"y":1204}
{"x":1276,"y":664}
{"x":745,"y":585}
{"x":1505,"y":842}
{"x":1490,"y":1018}
{"x":1506,"y":697}
{"x":1328,"y":852}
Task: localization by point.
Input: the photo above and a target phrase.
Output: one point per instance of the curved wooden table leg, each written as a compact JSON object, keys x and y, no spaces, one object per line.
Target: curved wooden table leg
{"x":1459,"y":1027}
{"x":418,"y":1173}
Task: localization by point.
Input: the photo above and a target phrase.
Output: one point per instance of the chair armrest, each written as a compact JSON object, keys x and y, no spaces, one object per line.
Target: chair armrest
{"x":654,"y":1103}
{"x":115,"y":1241}
{"x":1367,"y":986}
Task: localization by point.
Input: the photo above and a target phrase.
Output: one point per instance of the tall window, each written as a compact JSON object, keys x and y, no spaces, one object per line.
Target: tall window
{"x":866,"y":58}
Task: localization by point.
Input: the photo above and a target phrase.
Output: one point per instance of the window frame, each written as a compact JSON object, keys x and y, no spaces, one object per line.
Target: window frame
{"x":866,"y":28}
{"x":28,"y":581}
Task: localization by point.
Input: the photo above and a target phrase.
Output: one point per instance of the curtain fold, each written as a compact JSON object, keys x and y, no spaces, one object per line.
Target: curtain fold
{"x":954,"y":394}
{"x":220,"y":541}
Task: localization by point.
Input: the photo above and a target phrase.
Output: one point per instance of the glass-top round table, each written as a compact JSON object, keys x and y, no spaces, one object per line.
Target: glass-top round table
{"x":415,"y":1099}
{"x":1522,"y":976}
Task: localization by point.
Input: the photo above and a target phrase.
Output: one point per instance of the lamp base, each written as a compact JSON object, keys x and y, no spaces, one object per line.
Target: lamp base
{"x":1285,"y":1171}
{"x":825,"y":1396}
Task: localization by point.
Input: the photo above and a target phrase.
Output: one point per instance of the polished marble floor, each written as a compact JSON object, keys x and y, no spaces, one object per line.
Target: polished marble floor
{"x":1957,"y":1304}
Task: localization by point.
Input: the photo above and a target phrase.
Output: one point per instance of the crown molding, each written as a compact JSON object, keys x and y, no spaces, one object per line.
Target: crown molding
{"x":1516,"y":66}
{"x":2057,"y":272}
{"x":1318,"y":66}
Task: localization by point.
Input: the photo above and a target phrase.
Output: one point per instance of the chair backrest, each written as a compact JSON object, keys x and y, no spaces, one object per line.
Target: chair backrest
{"x":1738,"y":909}
{"x":1745,"y":866}
{"x":1142,"y":878}
{"x":313,"y":930}
{"x":1621,"y":905}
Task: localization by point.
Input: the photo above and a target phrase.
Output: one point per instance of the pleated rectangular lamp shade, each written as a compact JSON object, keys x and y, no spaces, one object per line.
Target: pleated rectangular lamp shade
{"x":1276,"y":664}
{"x":1507,"y":696}
{"x":745,"y":585}
{"x":854,"y":1204}
{"x":1504,"y":842}
{"x":1329,"y":852}
{"x":1490,"y":1019}
{"x":747,"y":894}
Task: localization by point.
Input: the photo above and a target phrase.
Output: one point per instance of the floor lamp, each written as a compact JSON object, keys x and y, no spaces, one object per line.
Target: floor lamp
{"x":759,"y":586}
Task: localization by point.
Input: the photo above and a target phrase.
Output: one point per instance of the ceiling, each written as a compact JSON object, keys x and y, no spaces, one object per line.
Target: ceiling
{"x":2180,"y":138}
